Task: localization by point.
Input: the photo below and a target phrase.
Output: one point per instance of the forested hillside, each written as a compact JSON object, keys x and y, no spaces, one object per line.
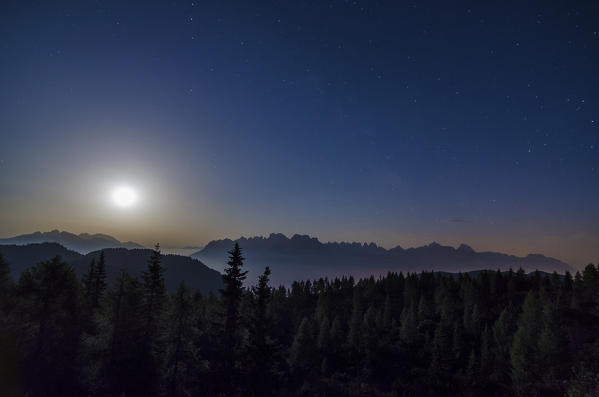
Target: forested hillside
{"x":403,"y":334}
{"x":194,"y":272}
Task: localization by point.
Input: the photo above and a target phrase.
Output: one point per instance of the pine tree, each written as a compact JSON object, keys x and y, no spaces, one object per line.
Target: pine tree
{"x":153,"y":306}
{"x":486,"y":358}
{"x":88,"y":283}
{"x":233,"y":290}
{"x":9,"y":352}
{"x":336,"y":332}
{"x":90,"y":321}
{"x":369,"y":342}
{"x":49,"y":328}
{"x":180,"y":357}
{"x":565,"y":290}
{"x":115,"y":304}
{"x":473,"y":375}
{"x":578,"y":292}
{"x":590,"y":276}
{"x":99,"y":282}
{"x":387,"y":312}
{"x":458,"y":342}
{"x":425,"y":312}
{"x":524,"y":352}
{"x":472,"y":321}
{"x":368,"y":330}
{"x":262,"y":348}
{"x":127,"y":357}
{"x":441,"y":355}
{"x":549,"y":345}
{"x":441,"y":350}
{"x":336,"y":351}
{"x":260,"y":323}
{"x":154,"y":291}
{"x":321,"y":307}
{"x":231,"y":294}
{"x":502,"y":331}
{"x":303,"y":355}
{"x":6,"y":285}
{"x":324,"y":336}
{"x":408,"y":329}
{"x":355,"y":321}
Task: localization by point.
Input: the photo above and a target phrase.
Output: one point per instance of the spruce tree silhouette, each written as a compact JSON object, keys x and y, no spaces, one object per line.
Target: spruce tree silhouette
{"x":180,"y":354}
{"x":231,"y":297}
{"x":50,"y":317}
{"x":524,"y":353}
{"x":94,"y":286}
{"x":99,"y":282}
{"x":8,"y":345}
{"x":262,"y":348}
{"x":129,"y":359}
{"x":154,"y":292}
{"x":6,"y":284}
{"x":88,"y":283}
{"x":153,"y":308}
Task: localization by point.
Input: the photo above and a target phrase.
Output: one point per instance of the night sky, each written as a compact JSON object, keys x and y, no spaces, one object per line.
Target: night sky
{"x":398,"y":123}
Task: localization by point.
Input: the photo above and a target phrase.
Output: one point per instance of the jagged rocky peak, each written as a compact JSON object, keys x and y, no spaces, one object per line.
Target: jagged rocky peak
{"x":303,"y":237}
{"x":277,"y":237}
{"x":465,"y":248}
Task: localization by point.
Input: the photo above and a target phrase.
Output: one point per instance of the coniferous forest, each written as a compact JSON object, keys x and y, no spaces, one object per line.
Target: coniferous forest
{"x":488,"y":333}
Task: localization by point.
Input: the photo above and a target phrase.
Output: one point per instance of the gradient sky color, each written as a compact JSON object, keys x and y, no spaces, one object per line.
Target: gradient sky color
{"x":393,"y":122}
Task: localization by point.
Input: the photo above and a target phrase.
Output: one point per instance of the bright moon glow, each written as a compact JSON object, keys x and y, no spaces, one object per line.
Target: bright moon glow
{"x":124,"y":196}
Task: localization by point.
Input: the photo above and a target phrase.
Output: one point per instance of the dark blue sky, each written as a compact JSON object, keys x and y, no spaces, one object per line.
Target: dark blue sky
{"x":399,"y":123}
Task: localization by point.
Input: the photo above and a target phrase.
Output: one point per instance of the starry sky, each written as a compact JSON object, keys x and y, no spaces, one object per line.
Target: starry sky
{"x":393,"y":122}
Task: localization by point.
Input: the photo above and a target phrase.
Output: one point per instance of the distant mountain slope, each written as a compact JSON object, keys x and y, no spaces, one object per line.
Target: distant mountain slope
{"x":178,"y":268}
{"x":82,"y":243}
{"x":20,"y":257}
{"x":302,"y":257}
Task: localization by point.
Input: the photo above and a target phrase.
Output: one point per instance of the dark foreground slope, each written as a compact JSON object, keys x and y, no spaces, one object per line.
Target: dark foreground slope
{"x":302,"y":257}
{"x":178,"y":268}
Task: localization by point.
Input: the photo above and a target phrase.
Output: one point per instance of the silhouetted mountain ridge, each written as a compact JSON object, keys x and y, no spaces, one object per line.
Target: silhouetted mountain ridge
{"x":82,"y":243}
{"x":301,"y":257}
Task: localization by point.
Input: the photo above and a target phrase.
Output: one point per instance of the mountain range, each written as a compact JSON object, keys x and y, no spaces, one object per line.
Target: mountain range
{"x":177,"y":268}
{"x":300,"y":257}
{"x":82,"y":243}
{"x":303,"y":257}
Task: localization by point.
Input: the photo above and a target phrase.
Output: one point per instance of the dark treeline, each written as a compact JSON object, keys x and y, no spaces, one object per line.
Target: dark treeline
{"x":418,"y":334}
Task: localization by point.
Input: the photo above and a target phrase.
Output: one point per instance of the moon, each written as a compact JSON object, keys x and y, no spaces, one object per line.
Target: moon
{"x":124,"y":196}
